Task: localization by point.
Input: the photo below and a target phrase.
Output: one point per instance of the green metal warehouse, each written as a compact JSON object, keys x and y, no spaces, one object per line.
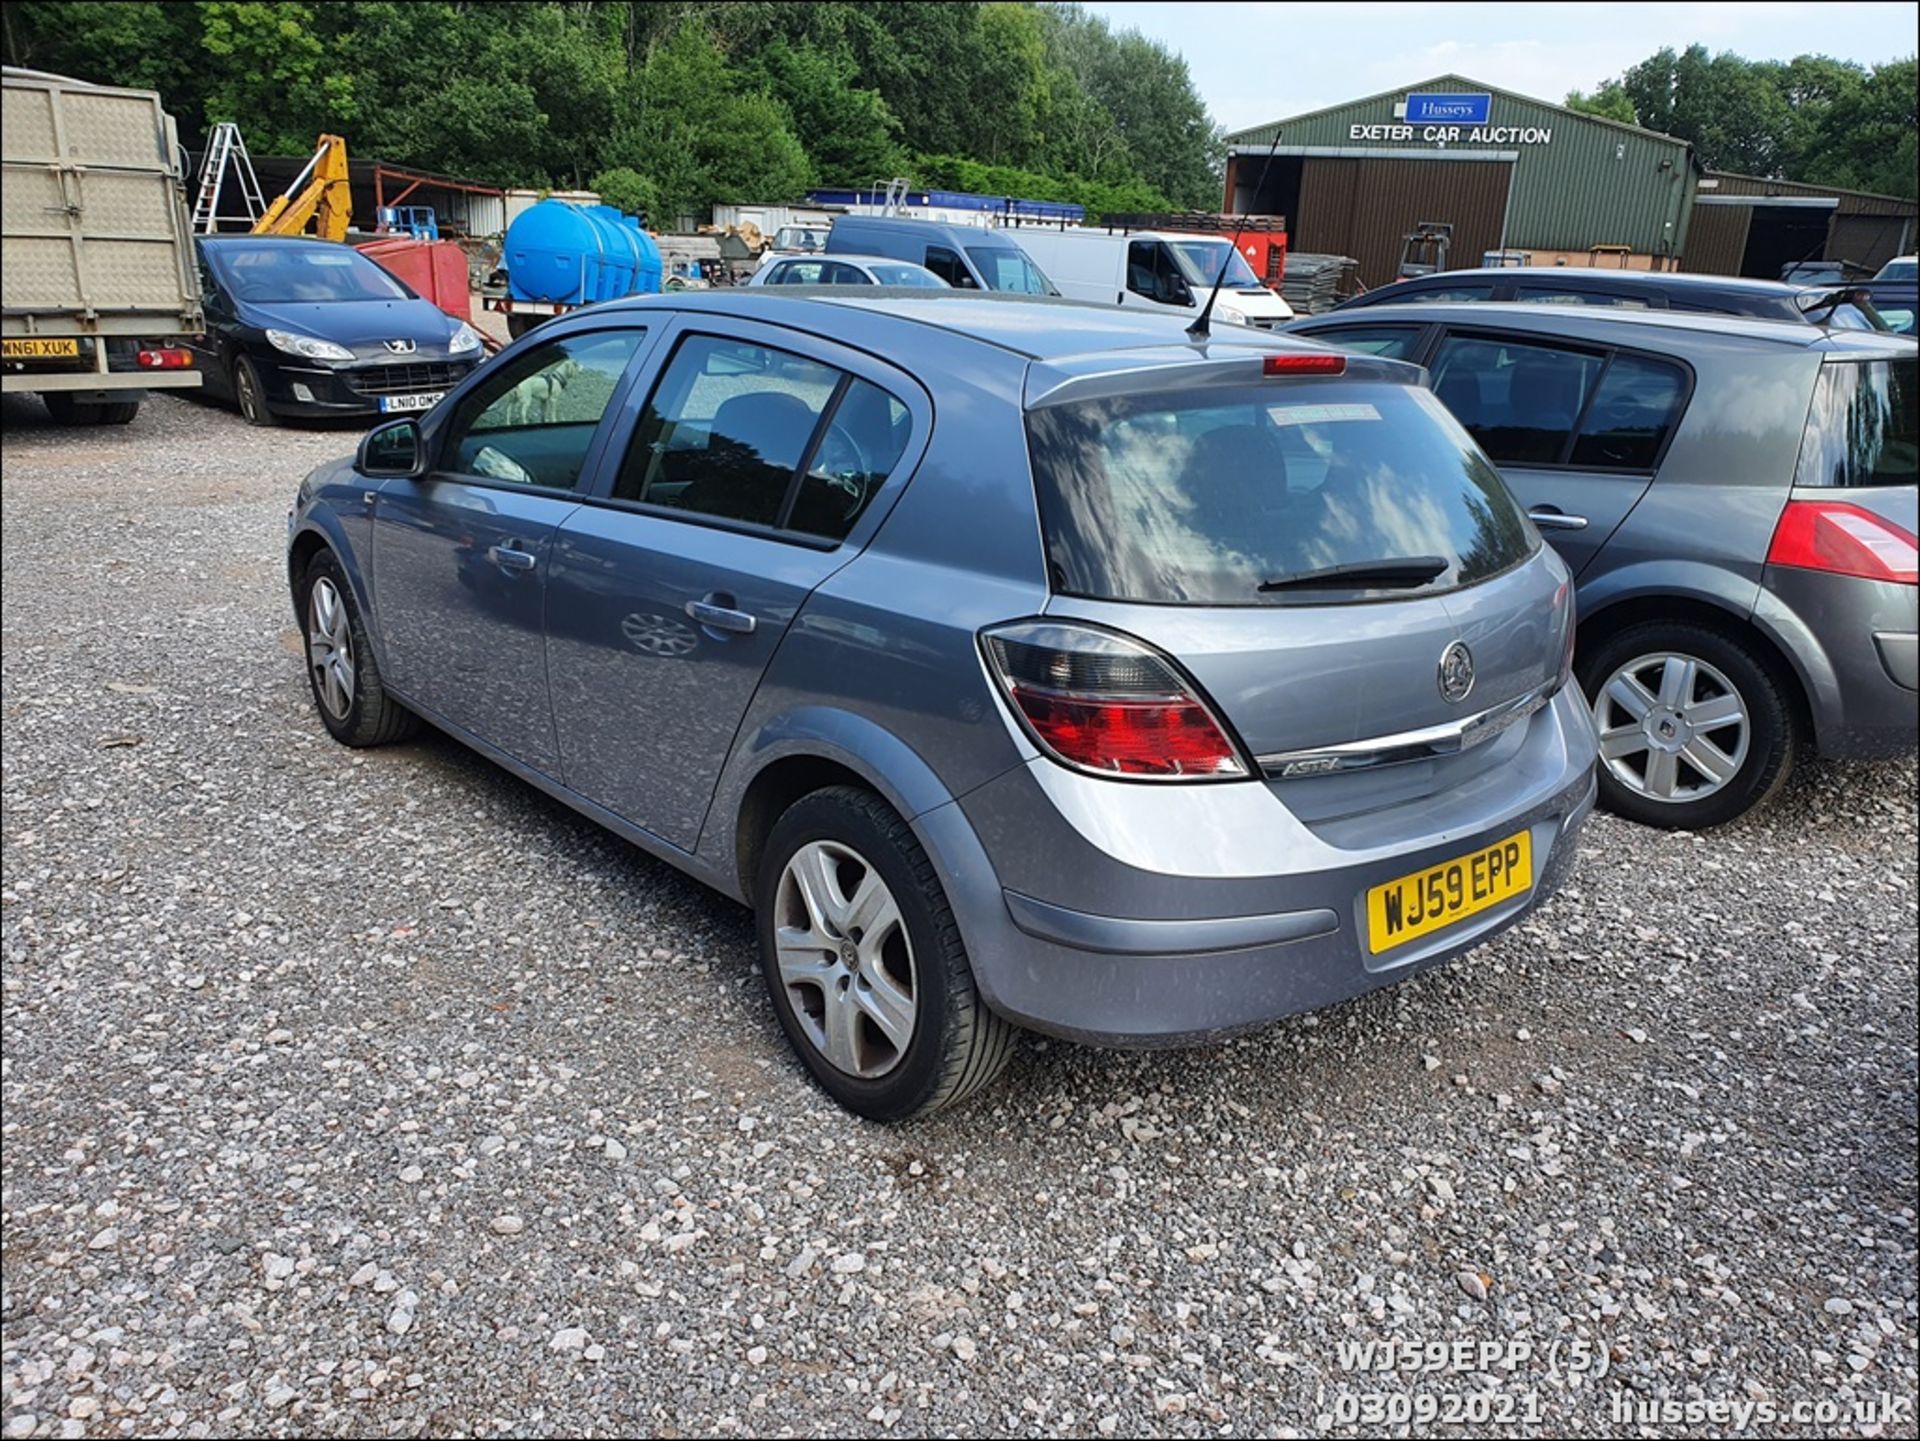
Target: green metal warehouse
{"x":1509,"y":173}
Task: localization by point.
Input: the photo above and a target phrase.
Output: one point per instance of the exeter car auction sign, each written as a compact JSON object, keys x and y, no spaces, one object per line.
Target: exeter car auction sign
{"x":1451,"y":120}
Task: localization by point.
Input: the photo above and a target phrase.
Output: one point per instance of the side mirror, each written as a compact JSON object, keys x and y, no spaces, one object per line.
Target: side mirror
{"x":393,"y":449}
{"x":1175,"y":291}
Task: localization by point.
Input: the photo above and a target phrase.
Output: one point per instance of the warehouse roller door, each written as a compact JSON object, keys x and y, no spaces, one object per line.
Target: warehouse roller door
{"x":1365,"y":207}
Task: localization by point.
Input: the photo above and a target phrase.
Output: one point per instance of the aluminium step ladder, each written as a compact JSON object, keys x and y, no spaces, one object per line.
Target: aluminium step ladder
{"x":226,"y":151}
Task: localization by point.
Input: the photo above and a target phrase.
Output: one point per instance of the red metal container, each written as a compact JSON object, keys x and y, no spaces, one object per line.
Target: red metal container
{"x":437,"y":269}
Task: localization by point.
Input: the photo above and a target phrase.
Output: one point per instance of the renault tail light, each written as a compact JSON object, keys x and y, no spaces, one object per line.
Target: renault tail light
{"x":1843,"y":539}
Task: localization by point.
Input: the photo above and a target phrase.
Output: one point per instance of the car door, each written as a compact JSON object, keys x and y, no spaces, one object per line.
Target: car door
{"x":1577,"y":431}
{"x":757,"y":466}
{"x":461,"y":555}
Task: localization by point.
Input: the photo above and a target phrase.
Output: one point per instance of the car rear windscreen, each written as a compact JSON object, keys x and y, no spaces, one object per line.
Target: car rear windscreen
{"x":1862,"y":428}
{"x":1282,"y":493}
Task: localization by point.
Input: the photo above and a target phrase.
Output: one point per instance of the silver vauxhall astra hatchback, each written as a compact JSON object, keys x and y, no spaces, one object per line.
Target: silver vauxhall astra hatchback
{"x":1021,"y":663}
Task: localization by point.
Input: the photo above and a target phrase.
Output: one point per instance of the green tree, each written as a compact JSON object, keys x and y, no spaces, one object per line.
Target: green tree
{"x":700,"y":137}
{"x":626,"y":190}
{"x":852,"y":136}
{"x":1812,"y":118}
{"x":271,"y":72}
{"x":1609,"y":101}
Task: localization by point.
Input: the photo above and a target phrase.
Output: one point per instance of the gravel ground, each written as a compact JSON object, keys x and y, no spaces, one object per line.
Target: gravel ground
{"x":373,"y":1093}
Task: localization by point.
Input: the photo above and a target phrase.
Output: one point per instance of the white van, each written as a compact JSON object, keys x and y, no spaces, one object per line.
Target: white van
{"x":1153,"y":270}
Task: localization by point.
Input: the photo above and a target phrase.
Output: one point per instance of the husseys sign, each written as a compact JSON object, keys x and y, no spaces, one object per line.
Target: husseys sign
{"x":1436,"y":119}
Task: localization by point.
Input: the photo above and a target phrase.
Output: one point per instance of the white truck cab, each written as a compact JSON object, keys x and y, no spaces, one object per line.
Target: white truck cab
{"x":1154,"y":270}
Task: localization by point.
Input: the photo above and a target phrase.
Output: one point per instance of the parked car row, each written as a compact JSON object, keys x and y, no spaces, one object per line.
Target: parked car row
{"x":1009,"y":654}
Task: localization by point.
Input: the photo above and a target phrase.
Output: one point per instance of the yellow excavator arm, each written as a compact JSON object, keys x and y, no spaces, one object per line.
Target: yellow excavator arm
{"x":319,"y":193}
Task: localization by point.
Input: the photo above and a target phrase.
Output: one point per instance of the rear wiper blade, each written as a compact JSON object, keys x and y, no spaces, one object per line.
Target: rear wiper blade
{"x":1363,"y":575}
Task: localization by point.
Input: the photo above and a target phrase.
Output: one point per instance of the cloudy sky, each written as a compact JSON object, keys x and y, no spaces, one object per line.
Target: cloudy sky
{"x":1260,"y":62}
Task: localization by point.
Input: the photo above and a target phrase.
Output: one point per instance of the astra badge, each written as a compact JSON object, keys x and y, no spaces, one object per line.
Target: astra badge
{"x":1456,"y":672}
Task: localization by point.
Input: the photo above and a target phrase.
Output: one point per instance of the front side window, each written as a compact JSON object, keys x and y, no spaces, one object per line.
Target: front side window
{"x":1007,"y":268}
{"x":748,"y":433}
{"x":1862,"y":429}
{"x":1395,"y":342}
{"x":948,"y":265}
{"x":532,"y":421}
{"x":1201,"y":262}
{"x":796,"y":272}
{"x":1268,"y":494}
{"x":1152,"y":275}
{"x":1519,"y":401}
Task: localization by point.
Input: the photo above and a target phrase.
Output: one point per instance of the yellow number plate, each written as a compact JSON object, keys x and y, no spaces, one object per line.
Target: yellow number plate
{"x":1403,"y":910}
{"x":39,"y":349}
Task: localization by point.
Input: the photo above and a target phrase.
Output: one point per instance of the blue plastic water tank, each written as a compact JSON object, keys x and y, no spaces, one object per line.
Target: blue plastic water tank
{"x":570,"y":254}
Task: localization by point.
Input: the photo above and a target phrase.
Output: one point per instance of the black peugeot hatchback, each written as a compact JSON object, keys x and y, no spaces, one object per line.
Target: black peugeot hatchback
{"x":314,"y":328}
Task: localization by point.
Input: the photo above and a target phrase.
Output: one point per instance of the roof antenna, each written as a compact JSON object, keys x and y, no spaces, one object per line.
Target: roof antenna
{"x":1201,"y":327}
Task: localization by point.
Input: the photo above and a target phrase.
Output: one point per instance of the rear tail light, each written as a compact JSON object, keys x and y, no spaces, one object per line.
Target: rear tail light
{"x":1843,"y":539}
{"x":1563,"y":608}
{"x":1104,"y":703}
{"x":1304,"y":365}
{"x":165,"y":358}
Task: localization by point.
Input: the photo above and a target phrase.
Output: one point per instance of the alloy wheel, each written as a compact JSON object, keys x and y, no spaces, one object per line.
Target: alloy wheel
{"x":246,"y":393}
{"x":330,"y":648}
{"x":845,"y":959}
{"x":1672,"y":727}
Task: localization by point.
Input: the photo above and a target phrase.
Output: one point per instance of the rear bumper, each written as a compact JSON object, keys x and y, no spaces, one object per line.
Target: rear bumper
{"x":1270,"y":920}
{"x":1856,"y":646}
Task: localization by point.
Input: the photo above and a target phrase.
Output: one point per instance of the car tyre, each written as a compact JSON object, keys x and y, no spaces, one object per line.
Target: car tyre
{"x":65,"y":410}
{"x":341,"y":669}
{"x":519,"y":325}
{"x":250,"y":394}
{"x":1750,"y":758}
{"x":956,"y":1044}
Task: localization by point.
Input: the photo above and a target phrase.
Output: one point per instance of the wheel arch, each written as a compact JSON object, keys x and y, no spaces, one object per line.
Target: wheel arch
{"x":1712,"y":613}
{"x":805,"y":750}
{"x":320,"y":529}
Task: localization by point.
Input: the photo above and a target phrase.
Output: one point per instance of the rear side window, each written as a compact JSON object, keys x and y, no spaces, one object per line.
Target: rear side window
{"x":1519,"y":401}
{"x":1439,"y":292}
{"x":1396,"y":342}
{"x":1634,"y":410}
{"x":1204,"y":497}
{"x":748,"y":433}
{"x":1558,"y":295}
{"x":858,"y":451}
{"x":1862,"y":429}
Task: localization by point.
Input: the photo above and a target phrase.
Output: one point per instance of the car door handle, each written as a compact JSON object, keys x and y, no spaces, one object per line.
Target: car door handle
{"x":1551,"y":517}
{"x":720,"y":617}
{"x":507,"y":558}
